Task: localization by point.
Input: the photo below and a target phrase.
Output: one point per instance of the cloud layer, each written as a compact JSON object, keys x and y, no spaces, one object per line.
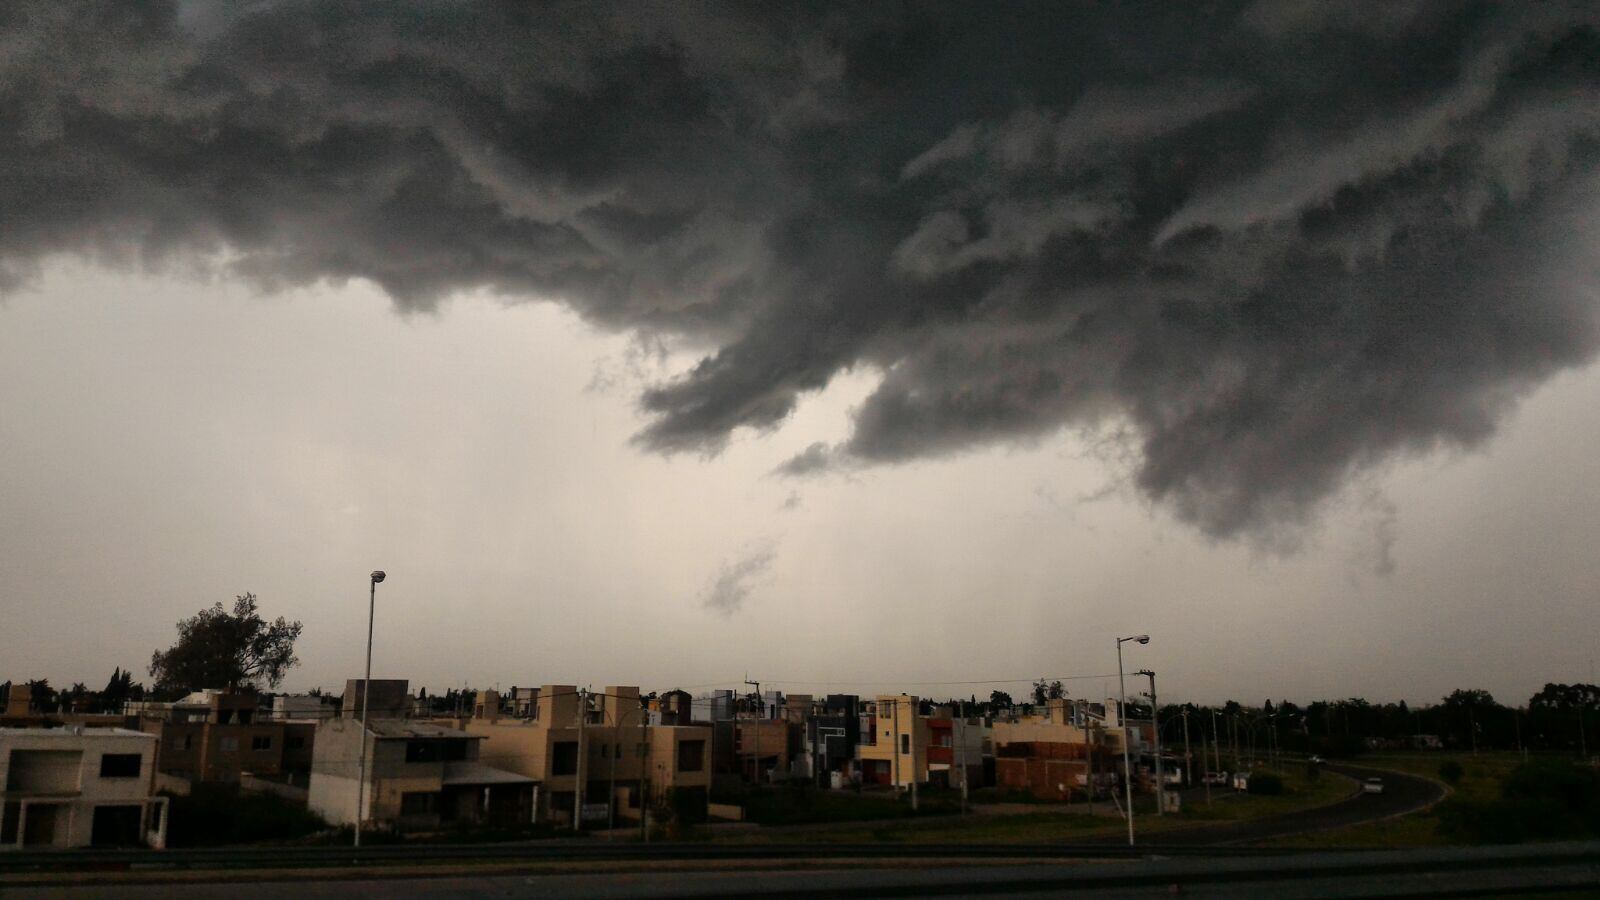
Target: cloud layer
{"x":1273,"y":244}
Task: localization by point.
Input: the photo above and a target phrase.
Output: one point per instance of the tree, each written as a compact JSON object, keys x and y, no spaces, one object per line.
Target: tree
{"x":41,"y":695}
{"x":1051,"y":690}
{"x":999,"y":700}
{"x":217,"y":648}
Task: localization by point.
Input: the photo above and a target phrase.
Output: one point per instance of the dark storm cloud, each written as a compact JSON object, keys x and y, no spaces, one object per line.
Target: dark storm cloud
{"x":1273,"y":243}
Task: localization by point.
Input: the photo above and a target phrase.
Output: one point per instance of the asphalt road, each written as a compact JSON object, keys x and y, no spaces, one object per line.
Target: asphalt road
{"x":1573,"y":868}
{"x":1401,"y":794}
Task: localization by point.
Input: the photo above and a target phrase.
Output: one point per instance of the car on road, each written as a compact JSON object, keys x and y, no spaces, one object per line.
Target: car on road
{"x":1372,"y":786}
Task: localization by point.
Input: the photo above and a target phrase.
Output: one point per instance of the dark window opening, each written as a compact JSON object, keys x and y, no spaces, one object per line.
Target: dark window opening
{"x":115,"y":826}
{"x":435,"y":751}
{"x":295,"y":742}
{"x":418,"y":803}
{"x":564,"y":758}
{"x":120,"y":765}
{"x":691,"y":756}
{"x":261,"y":742}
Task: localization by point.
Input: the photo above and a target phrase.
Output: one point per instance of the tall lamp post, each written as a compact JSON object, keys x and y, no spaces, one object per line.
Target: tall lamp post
{"x":366,"y":691}
{"x":1122,"y":715}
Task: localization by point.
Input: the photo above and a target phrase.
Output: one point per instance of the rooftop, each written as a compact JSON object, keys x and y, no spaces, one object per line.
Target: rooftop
{"x":74,"y":732}
{"x":402,"y":728}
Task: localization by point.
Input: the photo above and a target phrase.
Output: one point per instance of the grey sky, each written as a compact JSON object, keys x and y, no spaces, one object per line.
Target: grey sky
{"x":661,"y":348}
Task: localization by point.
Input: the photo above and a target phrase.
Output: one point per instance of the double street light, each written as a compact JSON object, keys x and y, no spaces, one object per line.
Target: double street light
{"x":366,"y":691}
{"x":1122,"y":714}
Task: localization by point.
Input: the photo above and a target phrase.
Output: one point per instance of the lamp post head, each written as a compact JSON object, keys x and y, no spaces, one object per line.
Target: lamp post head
{"x":1141,"y":638}
{"x":1147,"y":673}
{"x":377,"y":576}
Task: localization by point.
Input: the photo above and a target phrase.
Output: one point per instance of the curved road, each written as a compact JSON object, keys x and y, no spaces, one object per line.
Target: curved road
{"x":1401,"y":794}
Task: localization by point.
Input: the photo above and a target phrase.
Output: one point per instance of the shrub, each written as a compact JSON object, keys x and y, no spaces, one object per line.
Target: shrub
{"x":217,"y":814}
{"x":1268,"y":784}
{"x":1542,"y":800}
{"x":1450,"y":771}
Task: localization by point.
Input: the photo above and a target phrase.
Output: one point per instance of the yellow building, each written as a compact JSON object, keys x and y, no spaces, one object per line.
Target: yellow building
{"x":603,"y":742}
{"x":894,"y":750}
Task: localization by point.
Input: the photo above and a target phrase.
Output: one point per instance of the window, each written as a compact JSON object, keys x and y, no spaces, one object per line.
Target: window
{"x":905,"y":743}
{"x":294,"y":742}
{"x":691,"y":756}
{"x":120,"y":765}
{"x":418,"y":803}
{"x":186,"y":742}
{"x":436,"y":750}
{"x":230,"y":745}
{"x":261,"y":742}
{"x":564,"y":758}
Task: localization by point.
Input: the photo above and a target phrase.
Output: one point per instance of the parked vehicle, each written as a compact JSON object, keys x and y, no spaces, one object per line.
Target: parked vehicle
{"x":1372,"y":786}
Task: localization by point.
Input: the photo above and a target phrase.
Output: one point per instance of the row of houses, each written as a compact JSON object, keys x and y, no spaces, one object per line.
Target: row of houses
{"x":553,"y":754}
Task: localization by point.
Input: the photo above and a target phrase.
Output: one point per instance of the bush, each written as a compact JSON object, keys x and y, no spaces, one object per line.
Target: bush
{"x":217,"y":814}
{"x":1450,"y":771}
{"x":1543,"y":800}
{"x":1267,"y":784}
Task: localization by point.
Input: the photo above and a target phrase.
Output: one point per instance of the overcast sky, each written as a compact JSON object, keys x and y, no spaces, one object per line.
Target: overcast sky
{"x":869,"y":350}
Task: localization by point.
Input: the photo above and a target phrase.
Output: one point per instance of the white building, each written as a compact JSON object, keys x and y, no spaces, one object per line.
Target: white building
{"x":78,"y":787}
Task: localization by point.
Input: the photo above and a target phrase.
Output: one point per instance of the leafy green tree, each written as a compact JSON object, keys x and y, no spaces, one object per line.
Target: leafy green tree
{"x":219,"y":648}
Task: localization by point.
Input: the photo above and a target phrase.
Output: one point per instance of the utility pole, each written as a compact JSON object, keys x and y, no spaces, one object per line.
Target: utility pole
{"x":1216,"y":742}
{"x":577,"y":794}
{"x":757,"y":766}
{"x":1155,"y":725}
{"x":961,"y":759}
{"x":895,"y":744}
{"x":1089,"y":744}
{"x":644,"y":780}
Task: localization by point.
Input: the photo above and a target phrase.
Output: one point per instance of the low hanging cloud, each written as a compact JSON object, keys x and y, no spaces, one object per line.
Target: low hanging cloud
{"x":1275,"y":244}
{"x":727,"y":591}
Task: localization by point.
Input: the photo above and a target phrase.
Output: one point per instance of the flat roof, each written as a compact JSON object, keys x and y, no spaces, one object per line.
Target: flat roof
{"x":402,"y":728}
{"x":74,"y":731}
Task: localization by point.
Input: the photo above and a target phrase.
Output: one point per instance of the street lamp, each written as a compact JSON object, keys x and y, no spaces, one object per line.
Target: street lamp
{"x":1122,"y":714}
{"x":366,"y":691}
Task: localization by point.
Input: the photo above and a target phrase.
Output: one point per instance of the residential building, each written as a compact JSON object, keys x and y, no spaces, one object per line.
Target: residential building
{"x":79,"y":787}
{"x":419,"y":776}
{"x":601,"y":751}
{"x":957,"y":747}
{"x":1057,"y":754}
{"x":218,"y":736}
{"x":831,"y":735}
{"x":894,"y":742}
{"x":715,"y":706}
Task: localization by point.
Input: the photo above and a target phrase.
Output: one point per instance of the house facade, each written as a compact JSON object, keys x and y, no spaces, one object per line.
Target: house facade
{"x":595,"y":756}
{"x":418,"y":777}
{"x":79,"y":787}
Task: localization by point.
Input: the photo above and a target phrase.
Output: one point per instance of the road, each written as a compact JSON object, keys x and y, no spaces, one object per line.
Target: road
{"x":1457,"y":871}
{"x":1401,"y":794}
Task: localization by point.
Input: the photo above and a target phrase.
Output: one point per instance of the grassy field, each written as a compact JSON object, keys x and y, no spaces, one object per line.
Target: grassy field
{"x":1058,"y":823}
{"x":1480,"y":781}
